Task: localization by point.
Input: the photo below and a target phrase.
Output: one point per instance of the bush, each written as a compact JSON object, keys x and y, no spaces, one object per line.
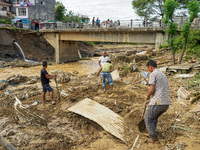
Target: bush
{"x":193,"y":45}
{"x":91,"y":43}
{"x":5,"y":21}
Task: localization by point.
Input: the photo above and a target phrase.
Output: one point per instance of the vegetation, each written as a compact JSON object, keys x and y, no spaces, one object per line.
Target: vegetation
{"x":193,"y":44}
{"x":61,"y":14}
{"x":5,"y":21}
{"x":91,"y":43}
{"x":193,"y":9}
{"x":153,"y":9}
{"x":60,"y":11}
{"x":86,"y":58}
{"x":169,"y":9}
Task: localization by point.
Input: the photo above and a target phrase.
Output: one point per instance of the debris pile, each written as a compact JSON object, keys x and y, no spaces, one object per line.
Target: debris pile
{"x":62,"y":77}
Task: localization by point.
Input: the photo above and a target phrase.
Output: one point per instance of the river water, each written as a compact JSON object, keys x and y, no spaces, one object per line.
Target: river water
{"x":84,"y":67}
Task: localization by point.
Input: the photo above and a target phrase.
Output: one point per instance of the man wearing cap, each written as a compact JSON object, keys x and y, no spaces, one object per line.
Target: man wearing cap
{"x":105,"y":74}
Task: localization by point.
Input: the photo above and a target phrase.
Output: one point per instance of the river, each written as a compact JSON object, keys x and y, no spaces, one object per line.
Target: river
{"x":84,"y":67}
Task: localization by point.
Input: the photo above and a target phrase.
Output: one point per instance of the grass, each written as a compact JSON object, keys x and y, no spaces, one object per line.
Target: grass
{"x":86,"y":58}
{"x":127,"y":68}
{"x":91,"y":43}
{"x":194,"y":82}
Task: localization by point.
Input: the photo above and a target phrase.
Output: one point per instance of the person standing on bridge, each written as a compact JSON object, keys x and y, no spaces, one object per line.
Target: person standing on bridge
{"x":93,"y":20}
{"x":97,"y":22}
{"x":160,"y":101}
{"x":144,"y":22}
{"x":45,"y":83}
{"x":103,"y":59}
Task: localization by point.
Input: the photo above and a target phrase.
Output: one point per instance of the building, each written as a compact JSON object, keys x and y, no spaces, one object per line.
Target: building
{"x":5,"y":8}
{"x":35,"y":10}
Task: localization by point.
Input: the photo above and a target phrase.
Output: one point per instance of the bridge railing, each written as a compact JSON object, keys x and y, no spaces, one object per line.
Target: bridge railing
{"x":116,"y":24}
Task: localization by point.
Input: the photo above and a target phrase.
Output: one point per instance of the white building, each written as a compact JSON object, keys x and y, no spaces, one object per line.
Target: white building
{"x":4,"y":8}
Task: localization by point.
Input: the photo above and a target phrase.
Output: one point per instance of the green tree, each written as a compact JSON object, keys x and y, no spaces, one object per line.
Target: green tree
{"x":193,"y":9}
{"x":71,"y":17}
{"x":153,"y":9}
{"x":60,"y":11}
{"x":169,"y":8}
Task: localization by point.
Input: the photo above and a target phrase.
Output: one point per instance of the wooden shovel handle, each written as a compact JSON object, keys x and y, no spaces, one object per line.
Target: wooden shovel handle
{"x":144,"y":111}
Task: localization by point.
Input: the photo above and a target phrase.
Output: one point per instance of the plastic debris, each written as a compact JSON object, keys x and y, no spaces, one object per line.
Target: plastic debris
{"x":184,"y":75}
{"x":115,"y":75}
{"x":63,"y":93}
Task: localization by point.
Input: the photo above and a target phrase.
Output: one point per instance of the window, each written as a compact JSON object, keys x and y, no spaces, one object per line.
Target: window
{"x":4,"y":8}
{"x":36,"y":1}
{"x":21,"y":11}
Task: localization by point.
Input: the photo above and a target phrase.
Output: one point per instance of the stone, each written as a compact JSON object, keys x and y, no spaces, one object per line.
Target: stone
{"x":62,"y":77}
{"x":16,"y":79}
{"x":3,"y":85}
{"x":11,"y":133}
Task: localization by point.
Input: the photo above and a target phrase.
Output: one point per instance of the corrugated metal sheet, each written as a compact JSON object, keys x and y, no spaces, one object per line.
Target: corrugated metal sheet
{"x":110,"y":121}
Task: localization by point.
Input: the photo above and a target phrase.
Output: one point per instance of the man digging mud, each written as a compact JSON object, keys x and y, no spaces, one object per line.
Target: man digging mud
{"x":45,"y":83}
{"x":105,"y":73}
{"x":160,"y":101}
{"x":103,"y":59}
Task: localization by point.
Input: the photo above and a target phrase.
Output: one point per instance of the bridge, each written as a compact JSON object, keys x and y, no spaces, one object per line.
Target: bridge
{"x":65,"y":41}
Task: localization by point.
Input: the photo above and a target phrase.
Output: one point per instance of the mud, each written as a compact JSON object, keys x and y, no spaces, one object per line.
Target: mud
{"x":65,"y":130}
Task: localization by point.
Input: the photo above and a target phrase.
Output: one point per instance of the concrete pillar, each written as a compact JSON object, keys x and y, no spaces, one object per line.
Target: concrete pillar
{"x":160,"y":39}
{"x":67,"y":51}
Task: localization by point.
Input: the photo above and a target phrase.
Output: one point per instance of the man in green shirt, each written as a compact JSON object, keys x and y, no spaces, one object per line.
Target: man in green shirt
{"x":105,"y":73}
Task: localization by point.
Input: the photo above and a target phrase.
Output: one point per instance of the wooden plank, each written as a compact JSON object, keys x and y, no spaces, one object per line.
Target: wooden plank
{"x":180,"y":67}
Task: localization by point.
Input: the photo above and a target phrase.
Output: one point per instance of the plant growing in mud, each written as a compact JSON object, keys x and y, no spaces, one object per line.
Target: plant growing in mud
{"x":193,"y":9}
{"x":169,"y":8}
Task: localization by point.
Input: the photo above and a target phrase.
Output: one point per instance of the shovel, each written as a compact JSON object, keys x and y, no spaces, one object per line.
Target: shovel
{"x":57,"y":89}
{"x":141,"y":123}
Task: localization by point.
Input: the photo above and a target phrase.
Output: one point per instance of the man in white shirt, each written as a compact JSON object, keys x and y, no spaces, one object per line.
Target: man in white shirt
{"x":103,"y":59}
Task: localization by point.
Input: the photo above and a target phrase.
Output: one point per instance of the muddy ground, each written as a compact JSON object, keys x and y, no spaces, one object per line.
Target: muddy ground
{"x":178,"y":128}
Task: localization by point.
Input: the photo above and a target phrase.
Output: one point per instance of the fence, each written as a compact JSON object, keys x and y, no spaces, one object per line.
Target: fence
{"x":117,"y":24}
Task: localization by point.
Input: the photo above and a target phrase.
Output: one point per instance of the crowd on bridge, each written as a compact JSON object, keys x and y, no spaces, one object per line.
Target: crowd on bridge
{"x":108,"y":23}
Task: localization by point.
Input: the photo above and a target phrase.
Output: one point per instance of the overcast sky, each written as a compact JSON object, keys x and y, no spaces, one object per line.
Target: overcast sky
{"x":104,"y":9}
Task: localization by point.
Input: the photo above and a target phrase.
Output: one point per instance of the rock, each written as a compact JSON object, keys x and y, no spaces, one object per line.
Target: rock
{"x":62,"y":77}
{"x":3,"y":85}
{"x":75,"y":72}
{"x":11,"y":133}
{"x":16,"y":79}
{"x":140,"y":58}
{"x":129,"y":53}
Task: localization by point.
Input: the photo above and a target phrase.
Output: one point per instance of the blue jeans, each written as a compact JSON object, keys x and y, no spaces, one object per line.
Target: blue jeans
{"x":151,"y":118}
{"x":107,"y":75}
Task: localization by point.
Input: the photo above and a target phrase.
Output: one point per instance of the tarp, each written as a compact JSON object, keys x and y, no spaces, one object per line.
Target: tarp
{"x":24,"y":21}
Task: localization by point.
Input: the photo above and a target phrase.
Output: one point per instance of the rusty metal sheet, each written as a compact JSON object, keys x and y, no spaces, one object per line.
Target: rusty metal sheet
{"x":106,"y":118}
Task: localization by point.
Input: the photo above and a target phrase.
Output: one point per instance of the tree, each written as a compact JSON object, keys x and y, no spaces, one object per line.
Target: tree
{"x":169,"y":8}
{"x":193,"y":9}
{"x":60,"y":11}
{"x":153,"y":9}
